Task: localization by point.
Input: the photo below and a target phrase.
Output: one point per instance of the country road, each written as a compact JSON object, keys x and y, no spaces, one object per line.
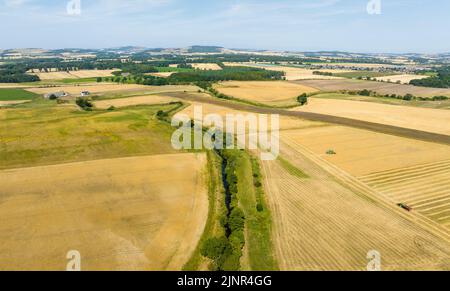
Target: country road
{"x":377,"y":127}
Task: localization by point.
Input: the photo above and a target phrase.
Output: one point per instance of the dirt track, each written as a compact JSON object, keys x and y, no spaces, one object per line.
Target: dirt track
{"x":388,"y":129}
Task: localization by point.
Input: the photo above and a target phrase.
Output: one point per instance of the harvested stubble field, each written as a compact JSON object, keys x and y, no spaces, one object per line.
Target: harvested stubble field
{"x":404,"y":79}
{"x":133,"y":101}
{"x":321,"y":223}
{"x":206,"y":66}
{"x":286,"y":122}
{"x":277,"y":93}
{"x":425,"y":187}
{"x":379,"y":87}
{"x":119,"y":214}
{"x":360,"y":152}
{"x":46,"y":76}
{"x":400,"y":170}
{"x":425,"y":119}
{"x":292,"y":73}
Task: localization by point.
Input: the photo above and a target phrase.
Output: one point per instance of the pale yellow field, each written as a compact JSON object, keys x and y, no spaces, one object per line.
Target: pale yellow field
{"x":142,"y":213}
{"x":361,"y":152}
{"x":425,"y":119}
{"x":132,"y":101}
{"x":267,"y":92}
{"x":13,"y":85}
{"x":7,"y":103}
{"x":359,"y":65}
{"x":206,"y":66}
{"x":73,"y":74}
{"x":292,"y":73}
{"x":403,"y":79}
{"x":424,"y":187}
{"x":330,"y":222}
{"x":286,"y":122}
{"x":162,"y":74}
{"x":112,"y":88}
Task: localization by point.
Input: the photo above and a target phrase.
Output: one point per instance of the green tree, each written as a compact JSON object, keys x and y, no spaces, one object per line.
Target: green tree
{"x":303,"y":99}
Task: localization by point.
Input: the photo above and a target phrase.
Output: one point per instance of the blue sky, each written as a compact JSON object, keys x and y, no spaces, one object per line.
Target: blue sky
{"x":304,"y":25}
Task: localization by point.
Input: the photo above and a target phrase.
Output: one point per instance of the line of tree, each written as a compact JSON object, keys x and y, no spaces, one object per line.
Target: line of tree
{"x":442,"y":80}
{"x":406,"y":97}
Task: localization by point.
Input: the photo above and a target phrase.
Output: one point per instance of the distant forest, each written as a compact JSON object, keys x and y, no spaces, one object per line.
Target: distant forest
{"x":442,"y":80}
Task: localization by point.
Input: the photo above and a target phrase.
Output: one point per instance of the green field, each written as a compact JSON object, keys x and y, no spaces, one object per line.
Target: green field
{"x":176,"y":70}
{"x":16,"y":94}
{"x":43,"y":133}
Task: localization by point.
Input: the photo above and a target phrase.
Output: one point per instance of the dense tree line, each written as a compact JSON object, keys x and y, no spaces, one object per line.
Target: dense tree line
{"x":11,"y":73}
{"x":227,"y":74}
{"x":442,"y":80}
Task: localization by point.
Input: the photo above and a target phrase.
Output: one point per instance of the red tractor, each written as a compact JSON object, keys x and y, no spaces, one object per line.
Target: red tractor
{"x":406,"y":207}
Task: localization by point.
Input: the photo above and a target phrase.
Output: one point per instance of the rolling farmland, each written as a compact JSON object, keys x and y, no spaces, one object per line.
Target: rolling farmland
{"x":425,"y":119}
{"x":424,"y":187}
{"x":379,"y":87}
{"x":133,"y":101}
{"x":119,"y":214}
{"x":113,"y":89}
{"x":49,"y":76}
{"x":270,"y":92}
{"x":322,"y":224}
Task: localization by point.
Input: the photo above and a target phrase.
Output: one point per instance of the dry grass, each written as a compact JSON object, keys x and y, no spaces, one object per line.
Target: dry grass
{"x":379,"y":87}
{"x":132,"y":101}
{"x":120,"y":214}
{"x":268,"y":92}
{"x":323,"y":224}
{"x":8,"y":103}
{"x":425,"y":119}
{"x":46,"y":76}
{"x":404,"y":79}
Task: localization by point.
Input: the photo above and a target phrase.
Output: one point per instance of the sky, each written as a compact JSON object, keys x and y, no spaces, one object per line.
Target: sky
{"x":399,"y":26}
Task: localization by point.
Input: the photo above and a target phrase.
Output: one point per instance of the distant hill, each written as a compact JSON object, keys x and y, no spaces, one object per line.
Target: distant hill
{"x":205,"y":49}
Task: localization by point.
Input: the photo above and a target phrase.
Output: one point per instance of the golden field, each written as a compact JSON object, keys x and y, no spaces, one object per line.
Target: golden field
{"x":46,"y":76}
{"x":361,"y":152}
{"x":286,"y":122}
{"x":399,"y":170}
{"x":403,"y":79}
{"x":120,"y":214}
{"x":292,"y":73}
{"x":425,"y":119}
{"x":379,"y":87}
{"x":133,"y":101}
{"x":206,"y":66}
{"x":268,"y":92}
{"x":323,"y":222}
